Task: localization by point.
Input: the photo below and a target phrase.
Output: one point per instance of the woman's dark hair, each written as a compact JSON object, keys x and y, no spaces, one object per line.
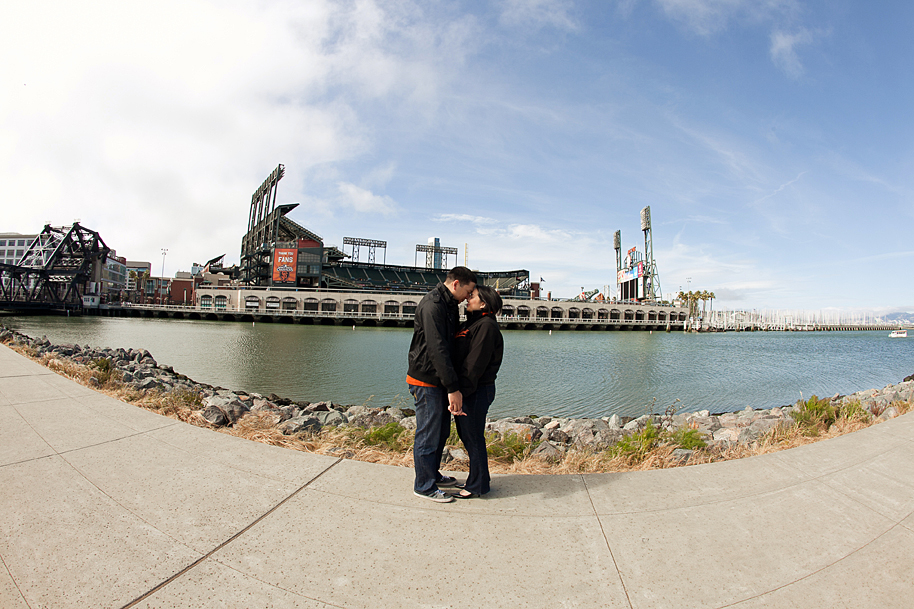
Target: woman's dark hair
{"x":490,"y":297}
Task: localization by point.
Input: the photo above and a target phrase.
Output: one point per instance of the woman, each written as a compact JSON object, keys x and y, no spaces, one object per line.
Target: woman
{"x":478,"y":351}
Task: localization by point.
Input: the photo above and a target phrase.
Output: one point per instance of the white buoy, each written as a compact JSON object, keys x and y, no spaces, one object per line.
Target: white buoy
{"x":353,"y":326}
{"x":550,"y":332}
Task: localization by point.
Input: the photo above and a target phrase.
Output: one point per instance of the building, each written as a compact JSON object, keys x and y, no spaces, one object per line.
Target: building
{"x":114,"y":278}
{"x":13,"y":247}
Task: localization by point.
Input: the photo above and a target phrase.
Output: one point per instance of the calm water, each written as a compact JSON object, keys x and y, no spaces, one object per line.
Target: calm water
{"x":563,"y":374}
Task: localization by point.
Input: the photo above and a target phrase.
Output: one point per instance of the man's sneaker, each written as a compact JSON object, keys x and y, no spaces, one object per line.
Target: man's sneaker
{"x":447,"y":481}
{"x":435,"y":495}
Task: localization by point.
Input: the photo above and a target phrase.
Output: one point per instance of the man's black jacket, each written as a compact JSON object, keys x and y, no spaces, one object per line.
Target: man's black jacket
{"x":431,"y":357}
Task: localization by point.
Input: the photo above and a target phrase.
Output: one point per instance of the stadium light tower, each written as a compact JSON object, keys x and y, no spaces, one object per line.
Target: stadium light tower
{"x":651,"y":274}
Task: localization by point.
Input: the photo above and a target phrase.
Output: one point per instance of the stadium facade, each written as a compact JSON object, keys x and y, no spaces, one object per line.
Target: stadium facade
{"x":278,"y":253}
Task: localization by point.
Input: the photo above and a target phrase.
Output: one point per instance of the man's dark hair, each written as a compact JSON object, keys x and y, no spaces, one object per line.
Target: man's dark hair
{"x":461,"y":274}
{"x":490,"y":297}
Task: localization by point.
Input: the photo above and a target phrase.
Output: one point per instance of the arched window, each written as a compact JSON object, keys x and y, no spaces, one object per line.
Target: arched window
{"x":251,"y":302}
{"x":221,"y":302}
{"x":409,"y":308}
{"x":391,"y":307}
{"x":587,"y":314}
{"x":369,"y":306}
{"x":310,"y":304}
{"x":350,"y":306}
{"x":558,"y":313}
{"x":272,"y":303}
{"x":574,"y":313}
{"x":542,"y":312}
{"x":328,"y":305}
{"x":507,"y":311}
{"x":206,"y":301}
{"x":523,"y":311}
{"x":289,"y":303}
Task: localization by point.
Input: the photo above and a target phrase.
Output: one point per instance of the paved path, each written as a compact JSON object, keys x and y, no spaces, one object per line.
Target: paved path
{"x":106,"y":505}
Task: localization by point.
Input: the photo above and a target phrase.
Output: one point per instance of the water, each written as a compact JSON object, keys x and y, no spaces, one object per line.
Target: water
{"x":573,"y":374}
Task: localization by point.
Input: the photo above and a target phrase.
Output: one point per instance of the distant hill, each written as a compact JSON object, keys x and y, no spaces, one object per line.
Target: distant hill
{"x":901,"y":316}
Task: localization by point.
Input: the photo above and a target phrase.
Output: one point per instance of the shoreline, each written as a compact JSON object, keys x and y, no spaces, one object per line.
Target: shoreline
{"x":527,"y":444}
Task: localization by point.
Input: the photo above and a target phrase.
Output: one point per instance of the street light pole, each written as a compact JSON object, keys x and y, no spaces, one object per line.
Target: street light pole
{"x":161,"y":297}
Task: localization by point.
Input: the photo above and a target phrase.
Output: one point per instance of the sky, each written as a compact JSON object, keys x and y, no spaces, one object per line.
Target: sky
{"x":772,"y":139}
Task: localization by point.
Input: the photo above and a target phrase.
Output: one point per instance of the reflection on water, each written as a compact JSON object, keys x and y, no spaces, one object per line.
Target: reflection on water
{"x":584,"y":373}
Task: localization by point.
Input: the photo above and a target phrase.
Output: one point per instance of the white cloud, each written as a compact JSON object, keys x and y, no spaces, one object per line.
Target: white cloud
{"x":705,"y":17}
{"x":152,"y":121}
{"x":783,"y":51}
{"x":364,"y":201}
{"x":537,"y":14}
{"x":464,"y":218}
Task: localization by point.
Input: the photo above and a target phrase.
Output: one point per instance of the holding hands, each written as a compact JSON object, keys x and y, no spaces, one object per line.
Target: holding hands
{"x":455,"y":404}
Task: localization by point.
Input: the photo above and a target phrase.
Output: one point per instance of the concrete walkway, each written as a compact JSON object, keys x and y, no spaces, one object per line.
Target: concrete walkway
{"x":103,"y":504}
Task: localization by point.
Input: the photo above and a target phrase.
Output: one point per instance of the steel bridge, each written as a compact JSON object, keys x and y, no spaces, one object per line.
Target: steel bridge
{"x":55,"y":271}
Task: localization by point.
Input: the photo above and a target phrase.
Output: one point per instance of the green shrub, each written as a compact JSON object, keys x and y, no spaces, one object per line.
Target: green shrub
{"x":854,"y":411}
{"x":392,"y":436}
{"x":636,"y":446}
{"x":103,"y":371}
{"x":510,"y":446}
{"x":689,"y":439}
{"x":815,"y":415}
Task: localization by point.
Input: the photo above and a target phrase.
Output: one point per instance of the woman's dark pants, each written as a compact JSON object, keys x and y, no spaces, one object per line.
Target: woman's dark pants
{"x":471,"y":429}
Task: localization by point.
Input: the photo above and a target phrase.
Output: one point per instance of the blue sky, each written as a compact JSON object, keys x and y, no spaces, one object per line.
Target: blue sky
{"x":772,"y":139}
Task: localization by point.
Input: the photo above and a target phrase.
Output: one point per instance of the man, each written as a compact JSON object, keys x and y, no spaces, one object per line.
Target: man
{"x":433,"y":381}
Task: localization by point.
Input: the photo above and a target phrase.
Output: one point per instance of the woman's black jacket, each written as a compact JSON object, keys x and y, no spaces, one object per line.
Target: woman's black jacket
{"x":478,"y":351}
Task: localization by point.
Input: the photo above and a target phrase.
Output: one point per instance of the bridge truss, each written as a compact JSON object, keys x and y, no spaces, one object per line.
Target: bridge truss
{"x":54,"y":271}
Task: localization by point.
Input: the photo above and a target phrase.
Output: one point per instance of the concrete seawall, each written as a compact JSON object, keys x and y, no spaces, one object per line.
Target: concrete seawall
{"x":107,"y":505}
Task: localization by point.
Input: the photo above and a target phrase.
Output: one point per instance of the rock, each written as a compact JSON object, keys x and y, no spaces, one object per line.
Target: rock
{"x":548,"y":451}
{"x":318,"y":407}
{"x":682,"y":455}
{"x":215,"y":416}
{"x":637,"y":424}
{"x":408,"y":422}
{"x":726,"y":434}
{"x":527,"y":432}
{"x":354,"y":411}
{"x":705,"y":424}
{"x":299,"y":424}
{"x":556,"y":435}
{"x":149,"y":384}
{"x":615,"y":422}
{"x":340,"y":452}
{"x":232,"y":407}
{"x":888,"y":413}
{"x":371,"y":419}
{"x":552,"y":425}
{"x":330,"y":418}
{"x":458,"y":454}
{"x":394,"y":413}
{"x":257,"y":404}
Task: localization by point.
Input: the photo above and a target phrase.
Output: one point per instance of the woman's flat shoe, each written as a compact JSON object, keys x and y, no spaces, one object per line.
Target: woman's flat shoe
{"x":468,"y":495}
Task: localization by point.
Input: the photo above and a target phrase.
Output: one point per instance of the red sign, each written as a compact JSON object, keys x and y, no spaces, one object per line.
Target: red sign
{"x":284,"y":265}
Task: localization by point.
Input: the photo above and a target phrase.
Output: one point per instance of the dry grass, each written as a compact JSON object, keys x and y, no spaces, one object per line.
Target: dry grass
{"x":393,"y":445}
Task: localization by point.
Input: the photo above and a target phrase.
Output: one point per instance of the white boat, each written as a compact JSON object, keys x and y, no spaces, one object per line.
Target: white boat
{"x":899,"y":334}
